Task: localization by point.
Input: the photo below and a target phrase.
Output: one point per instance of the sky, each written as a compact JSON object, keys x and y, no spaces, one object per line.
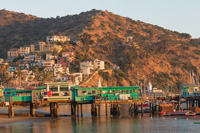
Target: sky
{"x":177,"y":15}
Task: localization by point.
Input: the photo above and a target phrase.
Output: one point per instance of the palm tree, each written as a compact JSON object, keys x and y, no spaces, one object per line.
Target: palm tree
{"x":17,"y":62}
{"x":19,"y":74}
{"x":2,"y":68}
{"x":15,"y":76}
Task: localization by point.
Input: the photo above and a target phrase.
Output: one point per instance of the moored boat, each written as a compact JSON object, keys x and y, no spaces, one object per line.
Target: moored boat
{"x":190,"y":113}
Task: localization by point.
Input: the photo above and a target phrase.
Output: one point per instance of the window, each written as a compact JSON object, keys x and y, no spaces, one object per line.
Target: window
{"x":131,"y":91}
{"x":98,"y":91}
{"x":93,"y":92}
{"x":89,"y":92}
{"x":125,"y":91}
{"x":115,"y":91}
{"x":109,"y":92}
{"x":120,"y":91}
{"x":82,"y":93}
{"x":103,"y":92}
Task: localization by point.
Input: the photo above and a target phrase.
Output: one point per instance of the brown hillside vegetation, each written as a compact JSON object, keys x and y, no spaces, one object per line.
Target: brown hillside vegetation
{"x":154,"y":53}
{"x":9,"y":17}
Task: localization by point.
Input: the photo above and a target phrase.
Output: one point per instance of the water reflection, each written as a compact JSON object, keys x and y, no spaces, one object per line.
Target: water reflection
{"x":101,"y":124}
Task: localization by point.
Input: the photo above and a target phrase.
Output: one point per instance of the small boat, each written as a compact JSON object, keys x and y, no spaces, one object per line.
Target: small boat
{"x":197,"y":122}
{"x":189,"y":113}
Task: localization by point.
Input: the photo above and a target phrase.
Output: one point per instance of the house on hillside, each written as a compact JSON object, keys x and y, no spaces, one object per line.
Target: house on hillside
{"x":24,"y":51}
{"x":51,"y":39}
{"x":98,"y":64}
{"x":114,"y":67}
{"x":88,"y":65}
{"x":13,"y":53}
{"x":51,"y":57}
{"x":46,"y":63}
{"x":57,"y":68}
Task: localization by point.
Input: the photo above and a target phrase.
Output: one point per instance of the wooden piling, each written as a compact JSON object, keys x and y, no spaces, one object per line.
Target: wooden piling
{"x":135,"y":109}
{"x":117,"y":109}
{"x":179,"y":104}
{"x":142,"y":108}
{"x":81,"y":110}
{"x":198,"y":103}
{"x":32,"y":109}
{"x":106,"y":109}
{"x":52,"y":109}
{"x":130,"y":109}
{"x":94,"y":110}
{"x":56,"y":110}
{"x":73,"y":108}
{"x":10,"y":111}
{"x":99,"y":110}
{"x":111,"y":109}
{"x":150,"y":107}
{"x":77,"y":110}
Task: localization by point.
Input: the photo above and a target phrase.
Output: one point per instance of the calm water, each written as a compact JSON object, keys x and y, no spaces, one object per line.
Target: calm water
{"x":102,"y":124}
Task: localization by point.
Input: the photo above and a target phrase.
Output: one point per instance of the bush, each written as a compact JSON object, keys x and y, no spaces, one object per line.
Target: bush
{"x":196,"y":51}
{"x":104,"y":75}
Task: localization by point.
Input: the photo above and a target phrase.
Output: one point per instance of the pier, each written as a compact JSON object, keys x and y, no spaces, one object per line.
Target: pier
{"x":76,"y":97}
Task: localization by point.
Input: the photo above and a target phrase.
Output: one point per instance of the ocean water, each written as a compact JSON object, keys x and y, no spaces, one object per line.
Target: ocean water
{"x":103,"y":124}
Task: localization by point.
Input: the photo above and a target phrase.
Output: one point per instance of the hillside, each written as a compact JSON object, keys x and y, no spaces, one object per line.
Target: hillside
{"x":9,"y":17}
{"x":154,"y":53}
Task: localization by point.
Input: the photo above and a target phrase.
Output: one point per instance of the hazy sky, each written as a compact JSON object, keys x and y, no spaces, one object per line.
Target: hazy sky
{"x":178,"y":15}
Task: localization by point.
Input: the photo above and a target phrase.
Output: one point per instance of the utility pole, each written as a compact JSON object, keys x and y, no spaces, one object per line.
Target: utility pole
{"x":144,"y":86}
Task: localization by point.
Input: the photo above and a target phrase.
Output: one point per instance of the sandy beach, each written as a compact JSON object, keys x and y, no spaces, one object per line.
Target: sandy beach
{"x":4,"y":120}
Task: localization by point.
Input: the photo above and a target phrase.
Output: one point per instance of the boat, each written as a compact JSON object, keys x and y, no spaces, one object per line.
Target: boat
{"x":197,"y":122}
{"x":190,"y":113}
{"x":178,"y":113}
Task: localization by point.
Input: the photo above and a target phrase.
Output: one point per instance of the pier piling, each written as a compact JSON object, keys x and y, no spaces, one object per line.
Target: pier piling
{"x":32,"y":109}
{"x":106,"y":109}
{"x":81,"y":110}
{"x":77,"y":110}
{"x":130,"y":109}
{"x":99,"y":110}
{"x":142,"y":108}
{"x":10,"y":111}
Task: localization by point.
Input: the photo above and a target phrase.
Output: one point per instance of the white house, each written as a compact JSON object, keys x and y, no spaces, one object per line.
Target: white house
{"x":50,"y":56}
{"x":85,"y":67}
{"x":98,"y":64}
{"x":24,"y":51}
{"x":46,"y":63}
{"x":13,"y":53}
{"x":114,"y":67}
{"x":51,"y":39}
{"x":28,"y":75}
{"x":58,"y":68}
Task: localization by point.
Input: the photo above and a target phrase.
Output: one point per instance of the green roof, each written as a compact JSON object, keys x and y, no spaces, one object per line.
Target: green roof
{"x":110,"y":88}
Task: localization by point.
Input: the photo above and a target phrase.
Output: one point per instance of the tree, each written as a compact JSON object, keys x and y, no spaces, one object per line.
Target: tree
{"x":2,"y":69}
{"x":20,"y":74}
{"x":15,"y":76}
